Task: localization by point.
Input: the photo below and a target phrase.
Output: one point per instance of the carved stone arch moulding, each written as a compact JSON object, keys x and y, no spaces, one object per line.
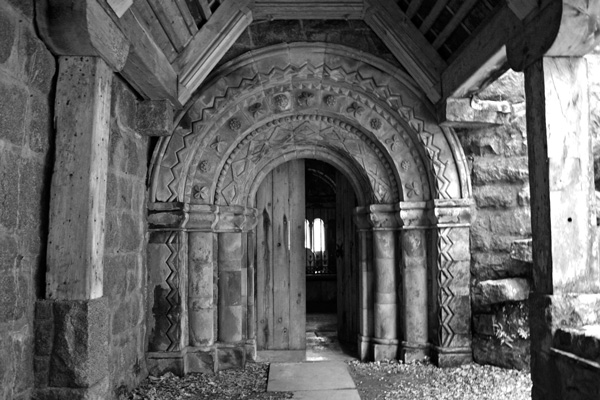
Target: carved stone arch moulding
{"x":282,"y":98}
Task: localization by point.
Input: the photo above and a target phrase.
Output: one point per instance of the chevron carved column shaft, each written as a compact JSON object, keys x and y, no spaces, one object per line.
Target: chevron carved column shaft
{"x":452,"y":321}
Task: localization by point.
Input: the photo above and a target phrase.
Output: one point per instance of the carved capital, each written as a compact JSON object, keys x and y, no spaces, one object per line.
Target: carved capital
{"x":235,"y":219}
{"x":413,"y":215}
{"x":454,"y":212}
{"x":201,"y":217}
{"x":383,"y":216}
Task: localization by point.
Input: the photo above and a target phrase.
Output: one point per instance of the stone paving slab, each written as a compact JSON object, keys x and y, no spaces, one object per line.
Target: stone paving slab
{"x":318,"y":377}
{"x":343,"y":394}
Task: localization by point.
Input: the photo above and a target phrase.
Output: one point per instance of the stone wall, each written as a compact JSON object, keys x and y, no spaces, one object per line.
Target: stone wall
{"x":125,"y":242}
{"x":27,"y":70}
{"x":499,"y":282}
{"x":356,"y":34}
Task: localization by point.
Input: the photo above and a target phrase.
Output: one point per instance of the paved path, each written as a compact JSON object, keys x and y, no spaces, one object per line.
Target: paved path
{"x":327,"y":380}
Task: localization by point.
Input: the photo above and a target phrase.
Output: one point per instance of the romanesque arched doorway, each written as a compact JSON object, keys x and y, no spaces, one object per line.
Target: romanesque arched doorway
{"x":361,"y":115}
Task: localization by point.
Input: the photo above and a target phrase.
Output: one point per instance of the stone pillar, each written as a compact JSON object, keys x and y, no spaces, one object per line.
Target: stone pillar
{"x":365,"y":287}
{"x":77,"y":363}
{"x":232,"y":226}
{"x":451,"y":282}
{"x":414,"y":223}
{"x":200,"y":288}
{"x":562,"y":205}
{"x":385,"y":299}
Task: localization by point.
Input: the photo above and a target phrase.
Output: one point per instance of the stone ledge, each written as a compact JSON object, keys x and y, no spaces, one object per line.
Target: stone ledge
{"x":500,"y":291}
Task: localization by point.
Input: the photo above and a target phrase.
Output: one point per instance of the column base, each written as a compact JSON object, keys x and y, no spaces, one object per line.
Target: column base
{"x":388,"y":350}
{"x":217,"y":357}
{"x":446,"y":357}
{"x":99,"y":391}
{"x":413,"y":352}
{"x":365,"y":348}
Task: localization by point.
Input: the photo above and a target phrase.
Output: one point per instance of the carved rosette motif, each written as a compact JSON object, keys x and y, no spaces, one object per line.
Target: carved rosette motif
{"x":360,"y":87}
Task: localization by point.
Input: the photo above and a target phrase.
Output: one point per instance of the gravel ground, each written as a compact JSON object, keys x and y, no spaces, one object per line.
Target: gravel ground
{"x":375,"y":381}
{"x":423,"y":381}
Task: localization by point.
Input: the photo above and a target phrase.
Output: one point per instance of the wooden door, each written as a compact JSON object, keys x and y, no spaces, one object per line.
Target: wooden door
{"x":280,"y":260}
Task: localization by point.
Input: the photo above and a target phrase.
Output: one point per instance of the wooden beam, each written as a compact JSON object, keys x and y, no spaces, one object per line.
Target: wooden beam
{"x":187,"y":17}
{"x":407,"y":44}
{"x":413,"y":8}
{"x":78,"y":192}
{"x":210,"y":44}
{"x":308,"y":9}
{"x":482,"y":59}
{"x":81,"y":28}
{"x":204,"y":9}
{"x":147,"y":68}
{"x":147,"y":19}
{"x":172,"y":21}
{"x":120,"y":6}
{"x":462,"y":12}
{"x":562,"y":28}
{"x":435,"y":12}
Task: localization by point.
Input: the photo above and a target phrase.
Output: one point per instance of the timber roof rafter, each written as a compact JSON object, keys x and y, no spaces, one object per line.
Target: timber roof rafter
{"x":167,"y":48}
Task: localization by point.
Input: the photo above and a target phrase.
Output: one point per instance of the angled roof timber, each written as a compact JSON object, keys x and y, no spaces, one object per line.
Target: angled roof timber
{"x":308,"y":9}
{"x":209,"y":44}
{"x":408,"y":45}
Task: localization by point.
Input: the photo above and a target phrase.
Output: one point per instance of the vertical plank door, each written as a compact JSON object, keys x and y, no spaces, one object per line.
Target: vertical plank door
{"x":280,"y":259}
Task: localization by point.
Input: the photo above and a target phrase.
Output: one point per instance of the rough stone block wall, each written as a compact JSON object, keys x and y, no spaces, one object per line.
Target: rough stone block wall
{"x":125,"y":243}
{"x":500,"y":283}
{"x":27,"y":71}
{"x":356,"y":34}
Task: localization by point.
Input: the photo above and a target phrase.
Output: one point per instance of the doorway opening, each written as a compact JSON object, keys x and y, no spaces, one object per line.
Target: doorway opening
{"x":331,"y":261}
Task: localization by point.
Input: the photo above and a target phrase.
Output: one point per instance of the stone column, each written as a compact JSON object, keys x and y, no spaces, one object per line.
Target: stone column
{"x":562,"y":206}
{"x":77,"y":363}
{"x":365,"y":287}
{"x":385,"y":299}
{"x":232,"y":226}
{"x":451,"y":282}
{"x":414,"y":223}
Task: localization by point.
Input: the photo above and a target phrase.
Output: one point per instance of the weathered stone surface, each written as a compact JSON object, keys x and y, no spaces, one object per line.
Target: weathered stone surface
{"x":79,"y":358}
{"x":521,"y":250}
{"x":39,"y":65}
{"x":40,"y":125}
{"x":583,"y":342}
{"x":493,"y":352}
{"x":13,"y":103}
{"x":488,"y":265}
{"x":7,"y":33}
{"x":99,"y":391}
{"x":524,"y":196}
{"x":26,"y":6}
{"x":13,"y":297}
{"x":494,"y":196}
{"x":154,"y":118}
{"x":229,"y":358}
{"x":500,"y":291}
{"x":509,"y":87}
{"x":498,"y":169}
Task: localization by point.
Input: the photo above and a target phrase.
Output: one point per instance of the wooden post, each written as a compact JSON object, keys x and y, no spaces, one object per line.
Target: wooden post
{"x":414,"y":222}
{"x":78,"y":193}
{"x":385,"y":332}
{"x":365,"y":287}
{"x":562,"y":202}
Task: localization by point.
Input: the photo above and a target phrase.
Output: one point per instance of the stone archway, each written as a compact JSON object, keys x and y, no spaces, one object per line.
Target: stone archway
{"x":308,"y":101}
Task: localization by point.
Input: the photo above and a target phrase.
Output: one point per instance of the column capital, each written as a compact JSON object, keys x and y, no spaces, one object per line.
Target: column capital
{"x":451,"y":212}
{"x":383,"y":216}
{"x":201,"y":217}
{"x":413,"y":214}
